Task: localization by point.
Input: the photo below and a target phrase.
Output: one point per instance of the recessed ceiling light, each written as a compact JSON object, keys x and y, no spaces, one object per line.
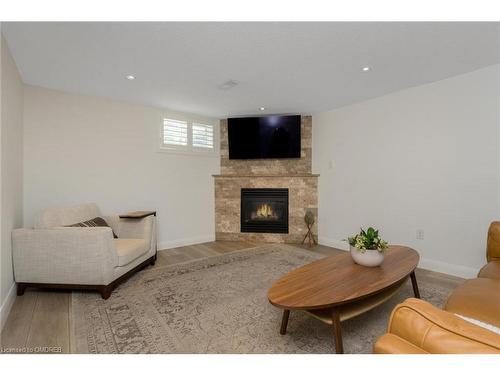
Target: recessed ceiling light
{"x":130,"y":77}
{"x":366,"y":69}
{"x":262,"y":108}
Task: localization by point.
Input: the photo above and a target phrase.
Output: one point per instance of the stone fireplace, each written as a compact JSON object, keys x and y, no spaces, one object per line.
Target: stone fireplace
{"x":250,"y":194}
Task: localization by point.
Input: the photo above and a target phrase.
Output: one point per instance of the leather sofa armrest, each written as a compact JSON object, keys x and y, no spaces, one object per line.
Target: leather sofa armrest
{"x":392,"y":344}
{"x":493,"y":242}
{"x":436,"y":331}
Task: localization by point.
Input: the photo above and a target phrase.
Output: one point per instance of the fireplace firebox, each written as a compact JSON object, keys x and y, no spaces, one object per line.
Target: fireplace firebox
{"x":264,"y":210}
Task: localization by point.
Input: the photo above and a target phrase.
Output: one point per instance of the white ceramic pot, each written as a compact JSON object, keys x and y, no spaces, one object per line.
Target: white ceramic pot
{"x":370,"y":258}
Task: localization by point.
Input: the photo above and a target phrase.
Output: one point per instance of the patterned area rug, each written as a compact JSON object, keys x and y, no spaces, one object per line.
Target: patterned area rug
{"x":219,"y":305}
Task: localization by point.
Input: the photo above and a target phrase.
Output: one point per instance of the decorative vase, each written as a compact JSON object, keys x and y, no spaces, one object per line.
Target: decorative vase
{"x":368,"y":258}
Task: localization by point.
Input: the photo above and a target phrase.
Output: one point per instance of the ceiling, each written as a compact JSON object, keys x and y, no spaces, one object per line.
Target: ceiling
{"x":284,"y":67}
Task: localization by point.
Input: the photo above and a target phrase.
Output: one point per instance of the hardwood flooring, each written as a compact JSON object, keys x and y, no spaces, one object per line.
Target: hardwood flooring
{"x":41,"y":318}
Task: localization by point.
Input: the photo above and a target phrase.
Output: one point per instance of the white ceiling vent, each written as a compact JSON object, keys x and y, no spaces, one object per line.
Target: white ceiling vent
{"x":229,"y":84}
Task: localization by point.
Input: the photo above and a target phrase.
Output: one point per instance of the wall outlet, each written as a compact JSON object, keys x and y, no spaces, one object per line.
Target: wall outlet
{"x":420,"y":234}
{"x":331,"y":164}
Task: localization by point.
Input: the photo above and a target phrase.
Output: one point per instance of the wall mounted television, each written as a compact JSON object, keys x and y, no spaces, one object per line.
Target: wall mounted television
{"x":267,"y":137}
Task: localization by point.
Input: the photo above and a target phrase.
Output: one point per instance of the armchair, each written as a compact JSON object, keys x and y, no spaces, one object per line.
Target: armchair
{"x":52,"y":255}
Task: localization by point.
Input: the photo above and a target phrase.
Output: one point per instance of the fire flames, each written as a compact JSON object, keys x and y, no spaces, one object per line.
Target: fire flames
{"x":264,"y":211}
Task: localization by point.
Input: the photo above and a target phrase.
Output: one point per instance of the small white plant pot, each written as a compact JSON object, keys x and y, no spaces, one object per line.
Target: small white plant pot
{"x":368,"y":258}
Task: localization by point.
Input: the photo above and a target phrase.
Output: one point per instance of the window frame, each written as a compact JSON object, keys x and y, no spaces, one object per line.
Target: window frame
{"x":189,"y":149}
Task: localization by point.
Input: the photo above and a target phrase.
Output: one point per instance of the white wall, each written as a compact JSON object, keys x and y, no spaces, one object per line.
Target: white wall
{"x":423,"y":158}
{"x":88,"y":149}
{"x":11,"y":156}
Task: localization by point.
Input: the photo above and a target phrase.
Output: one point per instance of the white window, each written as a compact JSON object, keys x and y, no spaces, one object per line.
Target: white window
{"x":203,"y":136}
{"x":188,"y":137}
{"x":175,"y":133}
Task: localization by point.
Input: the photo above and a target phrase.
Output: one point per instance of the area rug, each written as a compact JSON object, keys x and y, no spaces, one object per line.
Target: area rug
{"x":219,"y":305}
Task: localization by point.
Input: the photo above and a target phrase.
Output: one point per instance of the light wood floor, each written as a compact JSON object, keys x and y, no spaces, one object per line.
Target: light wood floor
{"x":41,"y":318}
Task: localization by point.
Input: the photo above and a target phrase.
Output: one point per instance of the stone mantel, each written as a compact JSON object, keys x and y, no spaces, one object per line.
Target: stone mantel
{"x":311,"y":175}
{"x":294,"y":174}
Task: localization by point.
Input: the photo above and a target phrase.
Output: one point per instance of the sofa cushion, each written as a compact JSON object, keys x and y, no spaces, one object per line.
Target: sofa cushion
{"x":478,"y":299}
{"x":481,"y":324}
{"x":62,"y":216}
{"x":95,"y":222}
{"x":491,"y":270}
{"x":129,"y":249}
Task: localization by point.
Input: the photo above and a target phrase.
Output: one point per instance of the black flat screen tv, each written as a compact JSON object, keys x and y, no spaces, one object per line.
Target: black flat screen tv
{"x":269,"y":137}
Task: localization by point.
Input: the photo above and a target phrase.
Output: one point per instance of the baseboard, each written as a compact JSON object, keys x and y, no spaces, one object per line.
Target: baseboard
{"x":425,"y":263}
{"x":450,"y":269}
{"x":165,"y":245}
{"x":7,"y":305}
{"x":342,"y":245}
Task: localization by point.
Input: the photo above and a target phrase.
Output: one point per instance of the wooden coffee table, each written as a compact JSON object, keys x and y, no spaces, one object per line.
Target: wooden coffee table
{"x":335,"y":289}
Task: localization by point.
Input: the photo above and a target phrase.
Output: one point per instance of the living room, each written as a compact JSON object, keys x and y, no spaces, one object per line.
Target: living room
{"x":250,"y":188}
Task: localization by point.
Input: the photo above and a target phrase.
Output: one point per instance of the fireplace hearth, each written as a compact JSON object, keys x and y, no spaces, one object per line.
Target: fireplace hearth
{"x":264,"y":210}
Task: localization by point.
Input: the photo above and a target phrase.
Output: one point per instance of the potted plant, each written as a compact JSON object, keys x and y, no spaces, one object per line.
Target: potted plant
{"x":367,"y":248}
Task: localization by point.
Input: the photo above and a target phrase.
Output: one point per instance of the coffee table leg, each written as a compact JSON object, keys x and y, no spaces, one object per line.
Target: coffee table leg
{"x":414,"y":284}
{"x":284,"y":321}
{"x":337,"y":333}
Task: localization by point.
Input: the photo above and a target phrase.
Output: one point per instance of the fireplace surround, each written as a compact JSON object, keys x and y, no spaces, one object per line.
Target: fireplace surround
{"x":295,"y":175}
{"x":264,"y":210}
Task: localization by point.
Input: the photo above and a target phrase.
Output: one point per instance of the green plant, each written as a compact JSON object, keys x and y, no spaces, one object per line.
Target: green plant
{"x":368,"y":240}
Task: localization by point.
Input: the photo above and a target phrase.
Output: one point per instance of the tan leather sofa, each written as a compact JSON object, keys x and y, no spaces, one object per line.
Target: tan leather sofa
{"x":417,"y":327}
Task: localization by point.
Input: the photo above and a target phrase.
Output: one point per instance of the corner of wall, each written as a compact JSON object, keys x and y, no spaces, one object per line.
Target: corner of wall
{"x":6,"y":305}
{"x":11,"y":170}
